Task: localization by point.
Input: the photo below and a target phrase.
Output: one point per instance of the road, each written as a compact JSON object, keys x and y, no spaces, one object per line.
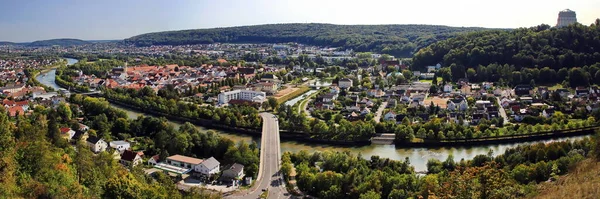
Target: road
{"x":269,"y":176}
{"x":379,"y":112}
{"x":502,"y":112}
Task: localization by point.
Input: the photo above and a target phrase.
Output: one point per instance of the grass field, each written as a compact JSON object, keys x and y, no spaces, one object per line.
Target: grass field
{"x":292,"y":94}
{"x":555,"y":87}
{"x":439,"y":79}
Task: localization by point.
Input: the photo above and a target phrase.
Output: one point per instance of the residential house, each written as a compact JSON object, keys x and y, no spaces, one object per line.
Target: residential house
{"x":563,"y":92}
{"x":130,"y":158}
{"x":233,"y":173}
{"x":427,"y":75}
{"x":392,"y":103}
{"x":419,"y":97}
{"x":483,"y":103}
{"x":549,"y":112}
{"x":365,"y":111}
{"x":209,"y":167}
{"x":522,"y":90}
{"x":353,"y":108}
{"x":345,"y":83}
{"x":153,"y":160}
{"x":67,"y":133}
{"x":329,"y":97}
{"x":487,"y":85}
{"x":582,"y":91}
{"x":96,"y":144}
{"x":334,"y":90}
{"x":447,"y":88}
{"x":354,"y":116}
{"x":375,"y":93}
{"x":476,"y":117}
{"x":120,"y":145}
{"x":457,"y":104}
{"x":389,"y":116}
{"x":83,"y":127}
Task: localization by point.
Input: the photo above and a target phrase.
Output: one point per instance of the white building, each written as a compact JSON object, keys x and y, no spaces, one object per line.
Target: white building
{"x":96,"y":144}
{"x":448,"y":88}
{"x":345,"y":83}
{"x":120,"y":145}
{"x":248,"y":95}
{"x":130,"y":158}
{"x":565,"y":18}
{"x":185,"y":162}
{"x":209,"y":167}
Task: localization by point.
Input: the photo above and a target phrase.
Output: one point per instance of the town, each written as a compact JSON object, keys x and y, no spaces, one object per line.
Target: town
{"x":299,"y":110}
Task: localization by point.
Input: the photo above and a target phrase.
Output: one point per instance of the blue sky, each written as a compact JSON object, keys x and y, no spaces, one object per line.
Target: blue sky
{"x":29,"y":20}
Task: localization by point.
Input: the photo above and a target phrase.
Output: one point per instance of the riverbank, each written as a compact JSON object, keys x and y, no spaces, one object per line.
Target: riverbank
{"x":501,"y":139}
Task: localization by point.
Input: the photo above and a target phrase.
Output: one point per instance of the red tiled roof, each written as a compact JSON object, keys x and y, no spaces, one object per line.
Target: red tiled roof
{"x":65,"y":129}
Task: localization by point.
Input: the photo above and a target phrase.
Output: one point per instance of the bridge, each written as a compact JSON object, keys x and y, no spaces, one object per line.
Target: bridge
{"x":269,"y":175}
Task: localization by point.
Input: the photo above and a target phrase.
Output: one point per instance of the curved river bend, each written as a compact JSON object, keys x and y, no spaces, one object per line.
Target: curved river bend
{"x":418,"y":156}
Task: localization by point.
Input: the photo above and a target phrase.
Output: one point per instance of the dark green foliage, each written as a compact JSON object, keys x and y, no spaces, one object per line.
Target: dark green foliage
{"x":398,"y":40}
{"x":540,"y":46}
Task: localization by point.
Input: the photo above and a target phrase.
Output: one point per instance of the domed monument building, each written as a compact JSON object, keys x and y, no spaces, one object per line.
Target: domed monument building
{"x":565,"y":18}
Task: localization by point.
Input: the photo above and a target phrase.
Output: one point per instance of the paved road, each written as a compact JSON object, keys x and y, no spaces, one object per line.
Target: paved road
{"x":380,"y":111}
{"x":269,"y":176}
{"x":502,"y":112}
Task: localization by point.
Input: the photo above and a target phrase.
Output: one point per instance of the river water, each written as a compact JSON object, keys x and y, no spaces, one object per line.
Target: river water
{"x":418,"y":156}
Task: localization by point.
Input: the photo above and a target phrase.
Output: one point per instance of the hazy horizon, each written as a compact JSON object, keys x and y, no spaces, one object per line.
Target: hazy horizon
{"x":27,"y":21}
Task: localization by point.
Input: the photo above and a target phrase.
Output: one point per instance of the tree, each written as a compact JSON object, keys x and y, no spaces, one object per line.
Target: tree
{"x":64,"y":111}
{"x":370,"y":195}
{"x":273,"y":103}
{"x":578,"y":77}
{"x":7,"y":161}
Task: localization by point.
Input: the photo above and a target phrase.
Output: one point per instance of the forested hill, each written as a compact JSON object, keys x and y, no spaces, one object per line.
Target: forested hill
{"x":540,"y":46}
{"x":59,"y":42}
{"x":399,"y":40}
{"x":2,"y":43}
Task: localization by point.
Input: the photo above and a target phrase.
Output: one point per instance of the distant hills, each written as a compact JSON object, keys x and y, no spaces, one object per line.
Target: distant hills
{"x":58,"y":42}
{"x":398,"y":40}
{"x":6,"y":43}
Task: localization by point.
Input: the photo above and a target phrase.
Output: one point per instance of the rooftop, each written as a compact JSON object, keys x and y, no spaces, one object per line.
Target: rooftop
{"x":185,"y":159}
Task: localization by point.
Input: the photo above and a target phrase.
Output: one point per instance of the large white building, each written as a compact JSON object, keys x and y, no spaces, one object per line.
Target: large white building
{"x":565,"y":18}
{"x":248,"y":95}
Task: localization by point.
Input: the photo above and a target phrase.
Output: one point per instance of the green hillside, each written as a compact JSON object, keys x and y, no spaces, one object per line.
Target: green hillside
{"x":540,"y":46}
{"x":399,"y":40}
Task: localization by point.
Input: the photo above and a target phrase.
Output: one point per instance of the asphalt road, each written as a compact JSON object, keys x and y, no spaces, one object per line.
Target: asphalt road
{"x":269,"y":176}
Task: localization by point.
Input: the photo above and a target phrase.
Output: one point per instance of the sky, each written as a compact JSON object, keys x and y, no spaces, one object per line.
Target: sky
{"x":30,"y":20}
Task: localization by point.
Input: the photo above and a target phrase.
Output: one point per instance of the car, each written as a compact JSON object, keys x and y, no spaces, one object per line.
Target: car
{"x":264,"y":189}
{"x":274,"y":116}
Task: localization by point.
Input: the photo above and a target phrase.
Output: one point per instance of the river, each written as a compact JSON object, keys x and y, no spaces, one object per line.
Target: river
{"x":418,"y":156}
